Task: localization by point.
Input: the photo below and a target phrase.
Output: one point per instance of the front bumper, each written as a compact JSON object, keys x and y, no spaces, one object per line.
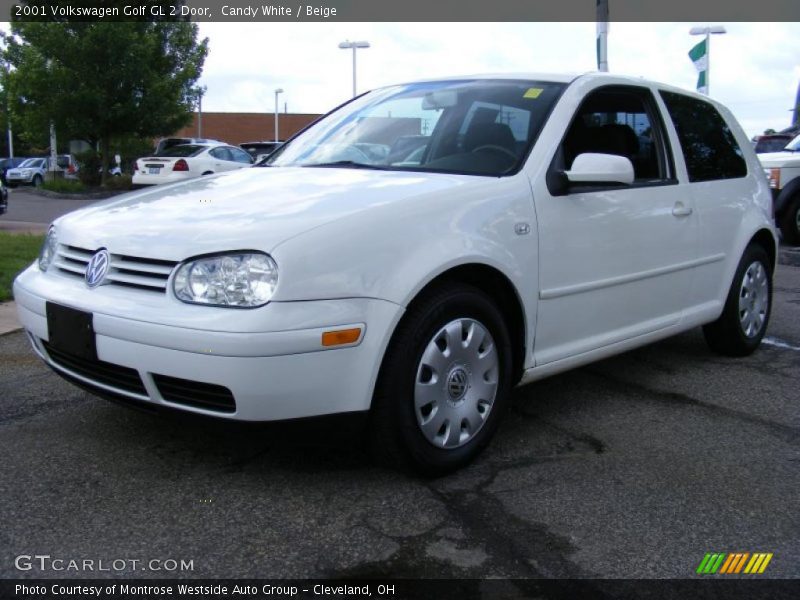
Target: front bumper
{"x":140,"y":178}
{"x":276,"y":369}
{"x":19,"y":178}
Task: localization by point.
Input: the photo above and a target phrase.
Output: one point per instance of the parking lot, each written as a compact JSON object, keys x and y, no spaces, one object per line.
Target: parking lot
{"x":634,"y":467}
{"x":25,"y":206}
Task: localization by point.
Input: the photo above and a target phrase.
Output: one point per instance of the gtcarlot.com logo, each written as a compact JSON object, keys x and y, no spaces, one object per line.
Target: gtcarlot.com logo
{"x":734,"y":563}
{"x":45,"y":562}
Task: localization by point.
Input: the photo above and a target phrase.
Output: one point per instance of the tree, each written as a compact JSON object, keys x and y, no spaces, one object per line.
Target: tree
{"x":100,"y":81}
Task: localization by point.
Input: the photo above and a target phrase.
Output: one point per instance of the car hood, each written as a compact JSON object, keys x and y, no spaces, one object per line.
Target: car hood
{"x":780,"y":159}
{"x":254,"y":208}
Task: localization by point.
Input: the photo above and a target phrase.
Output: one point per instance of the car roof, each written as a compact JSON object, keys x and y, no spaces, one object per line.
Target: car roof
{"x":610,"y":78}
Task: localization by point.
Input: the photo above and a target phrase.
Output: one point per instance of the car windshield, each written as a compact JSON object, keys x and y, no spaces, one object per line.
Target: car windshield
{"x":767,"y":144}
{"x":32,"y":162}
{"x":474,"y":127}
{"x":794,"y":145}
{"x":185,"y":150}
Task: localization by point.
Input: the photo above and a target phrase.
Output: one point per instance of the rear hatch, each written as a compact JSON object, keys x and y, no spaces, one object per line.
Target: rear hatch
{"x":170,"y":160}
{"x":157,"y":165}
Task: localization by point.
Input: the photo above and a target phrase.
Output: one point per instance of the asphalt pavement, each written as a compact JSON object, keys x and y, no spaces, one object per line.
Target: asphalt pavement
{"x":27,"y":210}
{"x":634,"y":467}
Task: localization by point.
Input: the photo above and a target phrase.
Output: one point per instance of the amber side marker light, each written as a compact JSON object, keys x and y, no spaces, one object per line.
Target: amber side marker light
{"x":341,"y":337}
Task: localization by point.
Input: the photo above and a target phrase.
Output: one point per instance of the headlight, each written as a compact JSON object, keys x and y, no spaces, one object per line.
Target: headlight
{"x":48,"y":249}
{"x":244,"y":280}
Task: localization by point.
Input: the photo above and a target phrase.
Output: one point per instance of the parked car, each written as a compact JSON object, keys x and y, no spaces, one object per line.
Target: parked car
{"x":534,"y":234}
{"x":3,"y":198}
{"x":783,"y":172}
{"x":9,"y":163}
{"x":774,"y":142}
{"x":34,"y":170}
{"x":260,"y":150}
{"x":167,"y":143}
{"x":31,"y":171}
{"x":68,"y":166}
{"x":179,"y":163}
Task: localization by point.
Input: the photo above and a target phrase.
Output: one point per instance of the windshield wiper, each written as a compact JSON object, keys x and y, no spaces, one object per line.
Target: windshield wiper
{"x":351,"y":164}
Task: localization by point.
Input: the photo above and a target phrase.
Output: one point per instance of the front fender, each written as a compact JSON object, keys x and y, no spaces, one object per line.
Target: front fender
{"x":393,"y":250}
{"x":785,"y":195}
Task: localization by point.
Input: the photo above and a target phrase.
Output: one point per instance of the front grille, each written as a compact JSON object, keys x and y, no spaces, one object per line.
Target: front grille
{"x":116,"y":376}
{"x":130,"y":271}
{"x":193,"y":393}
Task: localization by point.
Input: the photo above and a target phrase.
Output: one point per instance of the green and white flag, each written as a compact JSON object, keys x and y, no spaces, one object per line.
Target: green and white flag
{"x":699,"y":56}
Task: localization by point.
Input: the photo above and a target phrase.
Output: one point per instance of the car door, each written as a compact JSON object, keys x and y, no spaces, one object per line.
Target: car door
{"x":221,"y":159}
{"x":240,"y":158}
{"x":723,"y":194}
{"x":226,"y":158}
{"x":615,"y":261}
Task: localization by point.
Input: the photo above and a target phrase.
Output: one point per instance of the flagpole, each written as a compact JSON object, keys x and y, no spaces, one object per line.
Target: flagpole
{"x":707,"y":31}
{"x":708,"y":62}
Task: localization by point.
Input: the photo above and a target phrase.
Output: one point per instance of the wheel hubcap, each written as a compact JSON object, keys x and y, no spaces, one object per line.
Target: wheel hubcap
{"x":456,"y":383}
{"x":753,"y":299}
{"x":797,"y":219}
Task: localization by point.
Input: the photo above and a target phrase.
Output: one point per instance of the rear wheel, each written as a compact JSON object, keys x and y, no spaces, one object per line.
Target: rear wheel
{"x":743,"y":322}
{"x":790,"y":223}
{"x":444,"y":382}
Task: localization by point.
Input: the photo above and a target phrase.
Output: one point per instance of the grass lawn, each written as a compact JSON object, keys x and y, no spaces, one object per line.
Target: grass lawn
{"x":17,"y":251}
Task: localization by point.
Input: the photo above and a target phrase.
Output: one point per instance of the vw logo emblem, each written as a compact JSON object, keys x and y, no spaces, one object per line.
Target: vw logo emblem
{"x":97,"y":268}
{"x":457,"y":383}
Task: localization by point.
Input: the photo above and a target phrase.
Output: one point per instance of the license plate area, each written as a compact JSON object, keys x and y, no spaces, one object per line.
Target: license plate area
{"x":71,"y":331}
{"x":154,"y":170}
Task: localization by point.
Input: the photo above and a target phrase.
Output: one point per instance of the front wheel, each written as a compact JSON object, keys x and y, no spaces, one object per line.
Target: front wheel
{"x":790,"y":223}
{"x":37,"y":181}
{"x":444,"y":382}
{"x":743,"y":322}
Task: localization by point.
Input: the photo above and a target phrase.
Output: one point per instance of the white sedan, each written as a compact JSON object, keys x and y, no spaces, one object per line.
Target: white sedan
{"x":413,"y":256}
{"x":188,"y":161}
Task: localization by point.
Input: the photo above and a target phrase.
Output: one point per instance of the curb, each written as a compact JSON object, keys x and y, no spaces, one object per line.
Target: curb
{"x":8,"y":318}
{"x":22,"y":227}
{"x":790,"y":257}
{"x":77,"y":196}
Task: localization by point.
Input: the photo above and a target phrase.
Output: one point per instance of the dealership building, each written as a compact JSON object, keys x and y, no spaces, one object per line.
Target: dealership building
{"x":237,"y":128}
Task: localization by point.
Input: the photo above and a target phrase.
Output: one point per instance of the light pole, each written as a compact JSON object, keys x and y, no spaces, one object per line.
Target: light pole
{"x":706,"y":31}
{"x":201,"y":91}
{"x":347,"y":44}
{"x":277,"y":91}
{"x":602,"y":35}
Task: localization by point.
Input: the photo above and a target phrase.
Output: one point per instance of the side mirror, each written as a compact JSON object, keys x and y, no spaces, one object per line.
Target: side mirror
{"x":600,"y":168}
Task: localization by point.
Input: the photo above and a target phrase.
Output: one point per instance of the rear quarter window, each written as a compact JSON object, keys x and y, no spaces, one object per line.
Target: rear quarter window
{"x":708,"y":144}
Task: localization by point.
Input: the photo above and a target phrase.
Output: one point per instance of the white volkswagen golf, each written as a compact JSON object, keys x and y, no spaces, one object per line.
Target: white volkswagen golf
{"x":413,"y":256}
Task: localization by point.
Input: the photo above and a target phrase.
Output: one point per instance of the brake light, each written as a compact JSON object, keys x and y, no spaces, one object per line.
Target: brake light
{"x":180,"y":165}
{"x":71,"y":169}
{"x":135,"y":166}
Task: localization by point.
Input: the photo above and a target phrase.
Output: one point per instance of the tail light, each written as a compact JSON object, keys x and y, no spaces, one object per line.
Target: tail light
{"x":71,"y":169}
{"x":135,"y":166}
{"x":180,"y":165}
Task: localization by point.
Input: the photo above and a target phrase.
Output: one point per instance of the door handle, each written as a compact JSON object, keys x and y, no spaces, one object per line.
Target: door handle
{"x":681,"y":210}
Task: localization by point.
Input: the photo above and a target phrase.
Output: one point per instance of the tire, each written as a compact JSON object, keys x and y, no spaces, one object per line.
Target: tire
{"x":734,"y":333}
{"x":37,"y":181}
{"x":404,"y":429}
{"x":790,"y":223}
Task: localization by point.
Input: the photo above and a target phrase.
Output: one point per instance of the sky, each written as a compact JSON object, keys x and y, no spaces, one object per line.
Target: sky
{"x":755,"y":67}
